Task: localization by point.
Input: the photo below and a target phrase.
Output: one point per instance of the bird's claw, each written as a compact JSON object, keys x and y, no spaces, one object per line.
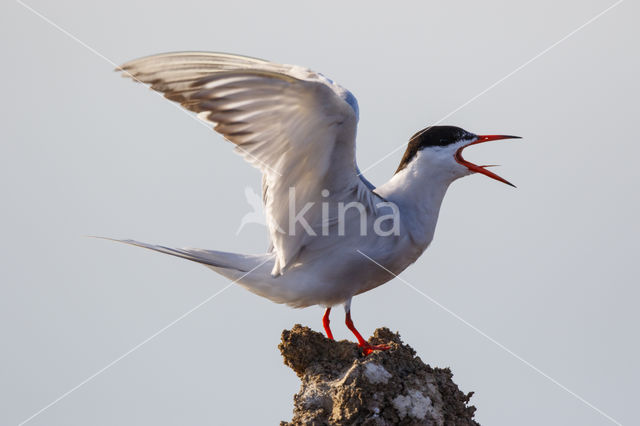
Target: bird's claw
{"x":367,"y":349}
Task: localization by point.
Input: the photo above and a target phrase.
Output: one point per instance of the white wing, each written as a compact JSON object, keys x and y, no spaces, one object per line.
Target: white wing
{"x":295,"y":125}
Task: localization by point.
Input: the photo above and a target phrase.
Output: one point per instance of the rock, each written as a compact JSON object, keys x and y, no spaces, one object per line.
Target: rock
{"x":340,"y":386}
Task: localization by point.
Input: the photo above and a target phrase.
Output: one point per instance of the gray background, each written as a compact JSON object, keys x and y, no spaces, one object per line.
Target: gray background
{"x":549,"y":270}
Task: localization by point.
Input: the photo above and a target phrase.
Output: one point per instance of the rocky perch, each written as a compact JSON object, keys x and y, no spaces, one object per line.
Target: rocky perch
{"x":340,"y":386}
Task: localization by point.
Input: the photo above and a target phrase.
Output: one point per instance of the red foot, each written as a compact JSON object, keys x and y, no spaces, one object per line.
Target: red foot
{"x":325,"y":323}
{"x":366,"y":347}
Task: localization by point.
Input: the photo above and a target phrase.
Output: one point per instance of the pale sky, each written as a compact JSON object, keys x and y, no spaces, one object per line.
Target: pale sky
{"x":547,"y":270}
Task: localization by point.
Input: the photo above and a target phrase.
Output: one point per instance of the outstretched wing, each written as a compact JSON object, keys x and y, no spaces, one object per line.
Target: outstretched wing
{"x":295,"y":125}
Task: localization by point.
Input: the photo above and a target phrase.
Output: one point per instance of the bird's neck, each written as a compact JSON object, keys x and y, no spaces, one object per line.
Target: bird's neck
{"x":418,"y":192}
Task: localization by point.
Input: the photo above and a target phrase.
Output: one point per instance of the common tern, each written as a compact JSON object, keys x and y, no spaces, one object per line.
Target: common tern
{"x":330,"y":228}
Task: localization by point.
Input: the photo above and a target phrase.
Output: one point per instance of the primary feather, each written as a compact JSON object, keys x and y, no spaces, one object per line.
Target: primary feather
{"x":295,"y":125}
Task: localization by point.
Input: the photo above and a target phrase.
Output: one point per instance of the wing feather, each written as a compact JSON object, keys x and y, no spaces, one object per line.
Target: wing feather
{"x":295,"y":125}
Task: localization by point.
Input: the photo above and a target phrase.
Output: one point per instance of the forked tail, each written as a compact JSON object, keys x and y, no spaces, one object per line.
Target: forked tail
{"x":216,"y":259}
{"x":249,"y":271}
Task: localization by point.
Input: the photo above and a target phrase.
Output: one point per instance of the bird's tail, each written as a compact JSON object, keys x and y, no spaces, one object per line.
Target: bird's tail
{"x":211,"y":258}
{"x":249,"y":271}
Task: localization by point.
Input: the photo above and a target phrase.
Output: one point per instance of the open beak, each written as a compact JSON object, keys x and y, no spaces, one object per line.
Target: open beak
{"x":483,"y":169}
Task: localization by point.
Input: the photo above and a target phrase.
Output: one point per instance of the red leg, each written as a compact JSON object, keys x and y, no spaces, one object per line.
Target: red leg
{"x":325,"y":323}
{"x":366,"y":347}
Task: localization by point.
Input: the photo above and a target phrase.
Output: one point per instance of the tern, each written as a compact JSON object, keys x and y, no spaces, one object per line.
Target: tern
{"x":333,"y":235}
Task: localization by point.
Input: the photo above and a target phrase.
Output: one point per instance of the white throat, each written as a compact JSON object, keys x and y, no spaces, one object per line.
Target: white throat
{"x":418,"y":191}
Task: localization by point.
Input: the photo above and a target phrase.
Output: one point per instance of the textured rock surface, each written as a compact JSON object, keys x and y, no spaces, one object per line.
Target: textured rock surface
{"x":340,"y":386}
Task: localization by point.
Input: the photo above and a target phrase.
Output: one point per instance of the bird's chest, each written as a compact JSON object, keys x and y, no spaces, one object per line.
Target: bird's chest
{"x":382,"y":266}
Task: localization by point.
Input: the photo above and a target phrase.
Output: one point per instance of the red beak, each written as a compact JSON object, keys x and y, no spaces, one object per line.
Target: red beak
{"x":482,"y":169}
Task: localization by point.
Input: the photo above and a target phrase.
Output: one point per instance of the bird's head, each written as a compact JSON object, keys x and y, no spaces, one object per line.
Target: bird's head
{"x":439,"y":148}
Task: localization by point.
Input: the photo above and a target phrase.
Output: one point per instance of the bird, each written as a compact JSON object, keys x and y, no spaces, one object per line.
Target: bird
{"x":298,"y":128}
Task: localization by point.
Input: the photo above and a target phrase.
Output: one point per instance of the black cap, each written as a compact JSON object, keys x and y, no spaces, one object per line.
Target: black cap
{"x":432,"y":136}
